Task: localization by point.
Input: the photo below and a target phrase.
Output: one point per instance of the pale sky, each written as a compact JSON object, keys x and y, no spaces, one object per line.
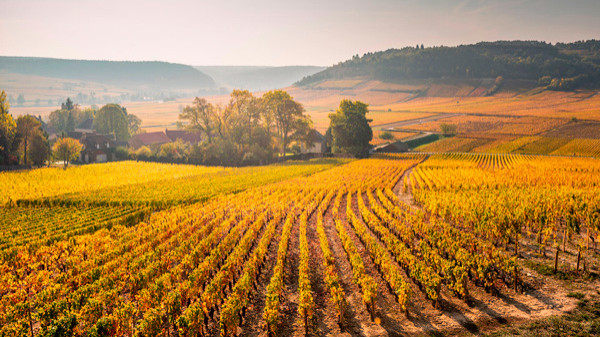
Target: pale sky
{"x":282,"y":32}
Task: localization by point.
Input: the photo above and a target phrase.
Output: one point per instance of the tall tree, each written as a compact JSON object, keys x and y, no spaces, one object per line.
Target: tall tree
{"x":67,"y":105}
{"x":40,"y":149}
{"x":66,"y":149}
{"x":246,"y":112}
{"x":27,"y":127}
{"x":350,"y":128}
{"x":8,"y":129}
{"x":133,"y":124}
{"x":111,"y":119}
{"x":287,"y":114}
{"x":70,"y":122}
{"x":200,"y":116}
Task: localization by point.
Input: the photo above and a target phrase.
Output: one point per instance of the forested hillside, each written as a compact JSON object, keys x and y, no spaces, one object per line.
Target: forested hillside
{"x":561,"y":66}
{"x":150,"y":75}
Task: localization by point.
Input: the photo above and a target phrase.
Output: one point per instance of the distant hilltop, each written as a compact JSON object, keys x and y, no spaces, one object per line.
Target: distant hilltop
{"x":153,"y":75}
{"x":562,"y":66}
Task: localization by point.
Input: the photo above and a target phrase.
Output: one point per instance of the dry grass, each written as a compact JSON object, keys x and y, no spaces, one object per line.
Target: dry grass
{"x":339,"y":84}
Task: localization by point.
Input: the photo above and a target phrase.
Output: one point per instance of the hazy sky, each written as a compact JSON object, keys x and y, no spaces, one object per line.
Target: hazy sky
{"x":281,"y":32}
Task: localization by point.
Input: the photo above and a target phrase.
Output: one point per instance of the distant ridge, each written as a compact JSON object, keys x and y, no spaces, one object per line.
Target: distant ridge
{"x":563,"y":66}
{"x":151,"y":75}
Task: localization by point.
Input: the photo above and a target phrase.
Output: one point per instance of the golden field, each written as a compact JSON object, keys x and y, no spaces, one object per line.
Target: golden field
{"x":510,"y":121}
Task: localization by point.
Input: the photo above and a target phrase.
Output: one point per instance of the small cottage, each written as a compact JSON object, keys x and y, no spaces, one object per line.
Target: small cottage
{"x":319,"y":143}
{"x":96,"y":148}
{"x":148,"y":139}
{"x":186,"y":136}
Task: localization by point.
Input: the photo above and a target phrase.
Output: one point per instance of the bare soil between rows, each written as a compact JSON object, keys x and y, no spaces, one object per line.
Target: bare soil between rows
{"x":486,"y":312}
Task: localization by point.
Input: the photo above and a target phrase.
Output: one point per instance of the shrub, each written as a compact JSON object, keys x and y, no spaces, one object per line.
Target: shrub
{"x":386,"y":135}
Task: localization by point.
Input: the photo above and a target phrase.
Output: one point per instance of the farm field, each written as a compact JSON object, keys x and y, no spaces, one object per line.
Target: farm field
{"x":143,"y":183}
{"x":392,"y":245}
{"x":498,"y":120}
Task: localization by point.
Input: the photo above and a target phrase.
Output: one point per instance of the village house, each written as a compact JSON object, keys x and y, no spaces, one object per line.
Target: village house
{"x":319,"y":143}
{"x":148,"y":139}
{"x":160,"y":137}
{"x":186,"y":136}
{"x":96,"y":148}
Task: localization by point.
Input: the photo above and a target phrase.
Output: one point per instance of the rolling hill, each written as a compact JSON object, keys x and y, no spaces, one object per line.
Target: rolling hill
{"x":562,"y":66}
{"x":47,"y":81}
{"x":156,"y":75}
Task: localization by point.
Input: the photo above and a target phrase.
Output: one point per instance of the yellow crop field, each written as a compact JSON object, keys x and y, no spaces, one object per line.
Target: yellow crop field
{"x":579,"y":147}
{"x":318,"y":237}
{"x":491,"y":125}
{"x":453,"y":144}
{"x":139,"y":182}
{"x":543,"y":145}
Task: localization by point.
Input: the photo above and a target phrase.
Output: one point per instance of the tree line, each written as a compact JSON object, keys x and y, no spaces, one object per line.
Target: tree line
{"x":111,"y":119}
{"x":24,"y":141}
{"x":559,"y":67}
{"x":248,"y":130}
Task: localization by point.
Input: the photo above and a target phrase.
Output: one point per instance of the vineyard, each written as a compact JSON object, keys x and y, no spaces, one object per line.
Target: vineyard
{"x":391,"y":245}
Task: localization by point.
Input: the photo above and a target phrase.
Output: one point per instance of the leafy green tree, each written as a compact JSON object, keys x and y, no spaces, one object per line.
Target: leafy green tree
{"x":350,"y":129}
{"x":27,"y":127}
{"x":386,"y":135}
{"x":448,"y":130}
{"x":245,"y":109}
{"x":67,"y":105}
{"x":40,"y":149}
{"x":287,"y":114}
{"x":70,"y":122}
{"x":111,"y":119}
{"x":200,"y":116}
{"x":133,"y":124}
{"x":20,"y":99}
{"x":66,"y":149}
{"x":8,"y":129}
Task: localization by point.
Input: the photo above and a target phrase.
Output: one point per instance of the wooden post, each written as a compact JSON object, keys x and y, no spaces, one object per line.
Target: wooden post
{"x":516,"y":278}
{"x":305,"y":324}
{"x":578,"y":259}
{"x":556,"y":260}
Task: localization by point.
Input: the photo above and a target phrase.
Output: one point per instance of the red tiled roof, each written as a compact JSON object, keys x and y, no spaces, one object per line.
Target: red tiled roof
{"x":186,"y":136}
{"x":149,"y":138}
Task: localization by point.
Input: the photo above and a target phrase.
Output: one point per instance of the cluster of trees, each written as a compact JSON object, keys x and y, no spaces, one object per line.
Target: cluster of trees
{"x":247,"y":130}
{"x":111,"y":119}
{"x":22,"y":141}
{"x":565,"y":66}
{"x":349,"y":130}
{"x":253,"y":130}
